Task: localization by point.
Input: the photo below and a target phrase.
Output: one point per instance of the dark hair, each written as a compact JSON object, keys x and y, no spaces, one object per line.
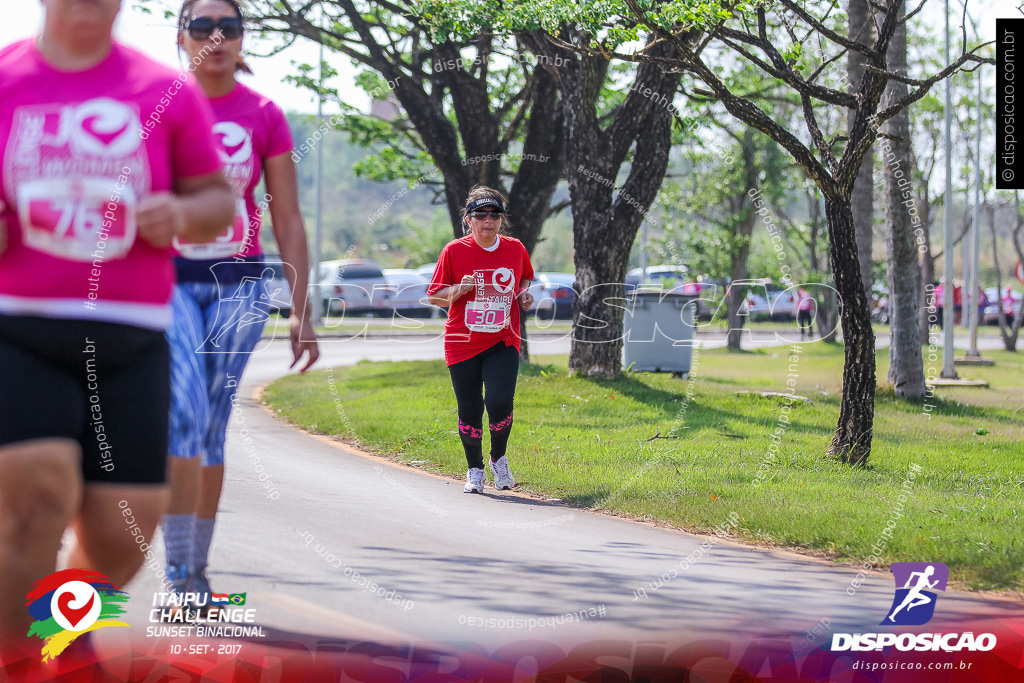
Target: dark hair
{"x":484,"y":192}
{"x":184,"y":16}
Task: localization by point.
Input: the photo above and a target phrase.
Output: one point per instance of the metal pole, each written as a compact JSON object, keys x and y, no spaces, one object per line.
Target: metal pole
{"x":975,"y":227}
{"x":948,"y":369}
{"x":643,"y":251}
{"x":318,"y":225}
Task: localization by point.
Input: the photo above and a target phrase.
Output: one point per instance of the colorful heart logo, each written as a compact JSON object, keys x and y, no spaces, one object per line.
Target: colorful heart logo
{"x":74,"y":615}
{"x":75,"y":606}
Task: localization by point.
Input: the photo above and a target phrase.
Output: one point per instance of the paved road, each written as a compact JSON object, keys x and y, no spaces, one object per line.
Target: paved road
{"x":454,"y":567}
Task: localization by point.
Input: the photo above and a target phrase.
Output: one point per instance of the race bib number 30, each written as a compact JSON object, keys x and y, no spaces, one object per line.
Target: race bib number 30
{"x":228,"y":243}
{"x":78,"y":219}
{"x":486,"y":316}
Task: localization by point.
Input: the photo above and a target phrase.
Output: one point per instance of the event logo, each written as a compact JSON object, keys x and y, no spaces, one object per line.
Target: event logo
{"x":71,"y":602}
{"x":105,"y":127}
{"x":914,"y":602}
{"x":503,"y":280}
{"x":235,"y":142}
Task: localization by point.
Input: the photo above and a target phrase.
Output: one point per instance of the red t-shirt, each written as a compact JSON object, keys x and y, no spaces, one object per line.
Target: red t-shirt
{"x":490,"y":313}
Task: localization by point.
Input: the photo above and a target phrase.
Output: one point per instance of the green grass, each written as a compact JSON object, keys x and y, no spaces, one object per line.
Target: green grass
{"x":590,"y":443}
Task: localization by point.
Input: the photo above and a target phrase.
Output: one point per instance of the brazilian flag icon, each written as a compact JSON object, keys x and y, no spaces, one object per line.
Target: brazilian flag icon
{"x":237,"y":598}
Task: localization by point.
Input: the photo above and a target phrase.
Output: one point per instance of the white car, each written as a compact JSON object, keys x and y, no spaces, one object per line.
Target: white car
{"x":278,"y":289}
{"x":352,"y":286}
{"x":770,"y":301}
{"x":407,"y":293}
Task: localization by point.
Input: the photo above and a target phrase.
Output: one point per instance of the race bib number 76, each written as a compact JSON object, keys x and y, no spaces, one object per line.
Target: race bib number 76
{"x":78,"y":219}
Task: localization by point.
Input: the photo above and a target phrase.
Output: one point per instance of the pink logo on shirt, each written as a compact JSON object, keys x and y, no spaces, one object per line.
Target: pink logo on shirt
{"x":235,"y":141}
{"x":105,"y":127}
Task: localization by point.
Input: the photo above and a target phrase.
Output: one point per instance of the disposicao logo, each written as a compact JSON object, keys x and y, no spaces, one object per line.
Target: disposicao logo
{"x":913,"y":605}
{"x":69,"y":603}
{"x":913,"y":581}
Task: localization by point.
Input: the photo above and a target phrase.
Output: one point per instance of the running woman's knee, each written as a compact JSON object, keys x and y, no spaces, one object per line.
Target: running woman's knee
{"x":499,"y":412}
{"x":40,"y":489}
{"x":469,"y":432}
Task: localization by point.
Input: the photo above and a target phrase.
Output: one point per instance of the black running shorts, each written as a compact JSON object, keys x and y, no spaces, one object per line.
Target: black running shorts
{"x":104,"y":385}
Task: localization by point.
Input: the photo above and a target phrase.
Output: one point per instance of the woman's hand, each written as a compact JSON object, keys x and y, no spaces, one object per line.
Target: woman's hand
{"x":464,"y":287}
{"x":525,"y":299}
{"x":303,"y":341}
{"x":160,"y":218}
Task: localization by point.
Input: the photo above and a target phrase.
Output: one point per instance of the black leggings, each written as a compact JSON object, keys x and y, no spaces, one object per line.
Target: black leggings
{"x":495,"y":369}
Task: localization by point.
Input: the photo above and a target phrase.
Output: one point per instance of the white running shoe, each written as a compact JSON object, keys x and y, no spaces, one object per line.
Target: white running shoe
{"x":475,"y":481}
{"x":503,"y":480}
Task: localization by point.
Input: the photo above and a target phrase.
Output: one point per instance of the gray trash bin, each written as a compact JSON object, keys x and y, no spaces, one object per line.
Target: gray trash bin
{"x":658,"y":331}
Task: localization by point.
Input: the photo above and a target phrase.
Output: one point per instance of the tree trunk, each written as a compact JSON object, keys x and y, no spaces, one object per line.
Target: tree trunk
{"x":852,"y":441}
{"x":741,"y":255}
{"x":605,"y":218}
{"x":861,"y":29}
{"x":906,"y":365}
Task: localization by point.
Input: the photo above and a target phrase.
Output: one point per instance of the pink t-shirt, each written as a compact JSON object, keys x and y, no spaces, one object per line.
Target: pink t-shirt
{"x":80,"y":151}
{"x":250,"y":129}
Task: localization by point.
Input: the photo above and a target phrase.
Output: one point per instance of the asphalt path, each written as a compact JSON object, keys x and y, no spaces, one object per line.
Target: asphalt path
{"x":330,"y":543}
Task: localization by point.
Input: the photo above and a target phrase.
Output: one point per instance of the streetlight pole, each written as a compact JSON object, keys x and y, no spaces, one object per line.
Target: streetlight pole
{"x":948,"y":369}
{"x":318,"y":225}
{"x":975,"y":227}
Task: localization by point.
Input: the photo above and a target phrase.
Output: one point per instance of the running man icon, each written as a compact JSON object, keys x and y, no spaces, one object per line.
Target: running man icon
{"x":915,"y":583}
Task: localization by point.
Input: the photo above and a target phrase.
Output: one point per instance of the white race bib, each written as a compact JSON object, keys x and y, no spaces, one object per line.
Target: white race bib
{"x":78,"y":219}
{"x":227,"y":244}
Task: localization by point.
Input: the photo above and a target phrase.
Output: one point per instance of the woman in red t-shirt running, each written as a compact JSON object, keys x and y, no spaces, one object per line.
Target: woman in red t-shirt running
{"x":483,"y":279}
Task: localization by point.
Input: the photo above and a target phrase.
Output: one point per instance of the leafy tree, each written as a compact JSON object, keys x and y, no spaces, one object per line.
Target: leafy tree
{"x":792,"y":42}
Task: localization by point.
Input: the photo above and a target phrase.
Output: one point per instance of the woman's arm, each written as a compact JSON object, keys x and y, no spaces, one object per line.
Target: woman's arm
{"x":524,"y":296}
{"x":197,"y":211}
{"x":290,"y":235}
{"x":449,"y":295}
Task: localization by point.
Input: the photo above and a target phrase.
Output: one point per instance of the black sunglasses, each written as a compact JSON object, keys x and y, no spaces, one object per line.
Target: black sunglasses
{"x":483,"y":214}
{"x":201,"y":28}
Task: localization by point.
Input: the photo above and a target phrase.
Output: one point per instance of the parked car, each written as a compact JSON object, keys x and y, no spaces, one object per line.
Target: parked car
{"x":353,"y":286}
{"x":427,"y":270}
{"x":278,"y":289}
{"x":553,"y":295}
{"x":769,"y":301}
{"x":658,"y":277}
{"x":406,"y":293}
{"x":1009,"y":301}
{"x":678,"y":279}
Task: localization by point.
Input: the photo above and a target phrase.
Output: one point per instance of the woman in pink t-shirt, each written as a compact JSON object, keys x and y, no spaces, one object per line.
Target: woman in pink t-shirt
{"x":90,"y":207}
{"x":221,"y":302}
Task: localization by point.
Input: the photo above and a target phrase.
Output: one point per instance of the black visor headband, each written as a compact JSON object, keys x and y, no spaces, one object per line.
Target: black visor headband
{"x":477,"y":204}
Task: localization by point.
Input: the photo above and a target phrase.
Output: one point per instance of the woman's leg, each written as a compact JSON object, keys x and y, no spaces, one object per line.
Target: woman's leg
{"x":125,"y":488}
{"x":43,"y":409}
{"x":190,"y":413}
{"x":500,"y":370}
{"x":40,"y":490}
{"x":223,"y":367}
{"x":468,"y":385}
